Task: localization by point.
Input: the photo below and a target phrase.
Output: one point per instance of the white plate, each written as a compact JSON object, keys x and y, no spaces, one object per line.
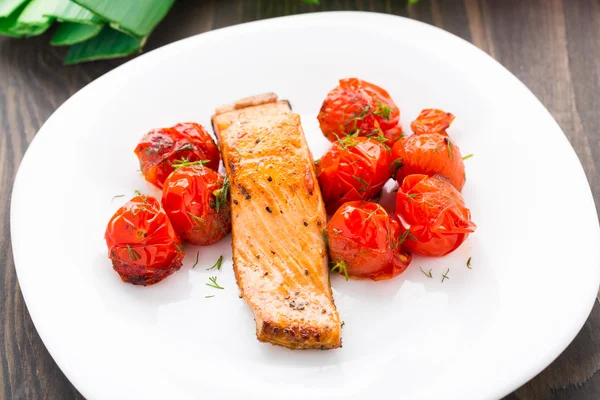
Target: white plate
{"x":480,"y":334}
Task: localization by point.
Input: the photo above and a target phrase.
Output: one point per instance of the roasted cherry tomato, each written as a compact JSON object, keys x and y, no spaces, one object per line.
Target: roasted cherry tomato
{"x":142,"y":243}
{"x":364,"y":242}
{"x":432,"y":120}
{"x":429,"y":154}
{"x":160,"y":149}
{"x":196,"y":199}
{"x":354,"y":168}
{"x":359,"y":107}
{"x":433,"y":215}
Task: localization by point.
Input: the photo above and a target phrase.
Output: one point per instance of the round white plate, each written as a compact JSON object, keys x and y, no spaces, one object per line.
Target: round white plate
{"x":479,"y":334}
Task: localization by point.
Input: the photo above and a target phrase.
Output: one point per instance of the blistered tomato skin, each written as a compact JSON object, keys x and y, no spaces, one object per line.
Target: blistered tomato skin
{"x":142,"y":243}
{"x":433,"y":216}
{"x":360,"y":107}
{"x":364,"y":242}
{"x":428,"y":154}
{"x":161,"y":148}
{"x":354,"y":168}
{"x":432,"y":120}
{"x":197,"y":203}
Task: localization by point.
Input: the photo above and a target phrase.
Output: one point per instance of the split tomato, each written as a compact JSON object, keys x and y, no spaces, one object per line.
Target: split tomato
{"x":160,"y":149}
{"x":433,"y":215}
{"x":196,"y":200}
{"x":432,"y":120}
{"x":142,"y":243}
{"x":364,"y":242}
{"x":354,"y":168}
{"x":428,"y":154}
{"x":360,"y":107}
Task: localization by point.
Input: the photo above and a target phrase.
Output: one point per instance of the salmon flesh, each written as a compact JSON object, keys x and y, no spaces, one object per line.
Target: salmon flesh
{"x":278,"y":221}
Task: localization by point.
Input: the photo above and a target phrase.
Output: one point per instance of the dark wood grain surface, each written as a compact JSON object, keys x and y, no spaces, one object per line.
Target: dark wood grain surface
{"x":553,"y":46}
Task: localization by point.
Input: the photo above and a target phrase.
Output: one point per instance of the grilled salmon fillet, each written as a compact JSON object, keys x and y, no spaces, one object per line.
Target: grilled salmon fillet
{"x":278,"y":219}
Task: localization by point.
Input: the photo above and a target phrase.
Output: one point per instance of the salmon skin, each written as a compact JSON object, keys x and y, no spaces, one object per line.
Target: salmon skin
{"x":278,"y":220}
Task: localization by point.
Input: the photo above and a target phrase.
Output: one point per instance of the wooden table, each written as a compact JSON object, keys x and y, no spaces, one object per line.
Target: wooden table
{"x":553,"y":46}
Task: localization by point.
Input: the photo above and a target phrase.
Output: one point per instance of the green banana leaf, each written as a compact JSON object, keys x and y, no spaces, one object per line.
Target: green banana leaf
{"x":70,"y":33}
{"x":109,"y":43}
{"x":32,"y":21}
{"x":8,"y":24}
{"x":8,"y":6}
{"x":67,"y":11}
{"x":136,"y":17}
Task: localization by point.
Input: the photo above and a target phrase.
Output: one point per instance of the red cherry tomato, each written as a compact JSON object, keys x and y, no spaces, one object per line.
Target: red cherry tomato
{"x":433,"y":215}
{"x":359,"y":107}
{"x":432,"y":120}
{"x":196,"y":199}
{"x":428,"y":154}
{"x":161,"y":148}
{"x":354,"y":168}
{"x":363,"y":242}
{"x":142,"y":243}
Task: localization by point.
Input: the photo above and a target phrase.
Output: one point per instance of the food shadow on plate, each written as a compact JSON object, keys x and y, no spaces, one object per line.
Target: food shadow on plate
{"x":137,"y":302}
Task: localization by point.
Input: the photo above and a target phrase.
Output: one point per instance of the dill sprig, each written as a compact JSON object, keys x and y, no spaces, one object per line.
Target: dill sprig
{"x":213,"y":283}
{"x":217,"y":264}
{"x":397,"y":164}
{"x":184,"y":162}
{"x":383,"y":111}
{"x":407,"y":235}
{"x":133,"y":255}
{"x":364,"y":185}
{"x":196,"y":263}
{"x":371,"y":214}
{"x":467,"y":156}
{"x":119,"y":195}
{"x":348,"y":140}
{"x":449,"y":147}
{"x":427,"y":274}
{"x":340,"y":267}
{"x":445,"y":276}
{"x":326,"y":239}
{"x":469,"y":263}
{"x":221,"y":195}
{"x":208,"y":297}
{"x":197,"y":220}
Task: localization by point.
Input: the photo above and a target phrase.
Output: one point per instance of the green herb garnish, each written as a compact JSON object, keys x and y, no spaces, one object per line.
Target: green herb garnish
{"x":445,"y":276}
{"x":469,"y":263}
{"x":364,"y":185}
{"x":133,"y":255}
{"x":340,"y":267}
{"x":119,"y":195}
{"x":427,"y":274}
{"x":214,"y":284}
{"x":197,"y":220}
{"x":221,"y":195}
{"x":407,"y":235}
{"x":348,"y":140}
{"x":397,"y":164}
{"x":383,"y":111}
{"x":467,"y":156}
{"x":217,"y":264}
{"x":196,"y":263}
{"x":184,"y":162}
{"x":449,"y":147}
